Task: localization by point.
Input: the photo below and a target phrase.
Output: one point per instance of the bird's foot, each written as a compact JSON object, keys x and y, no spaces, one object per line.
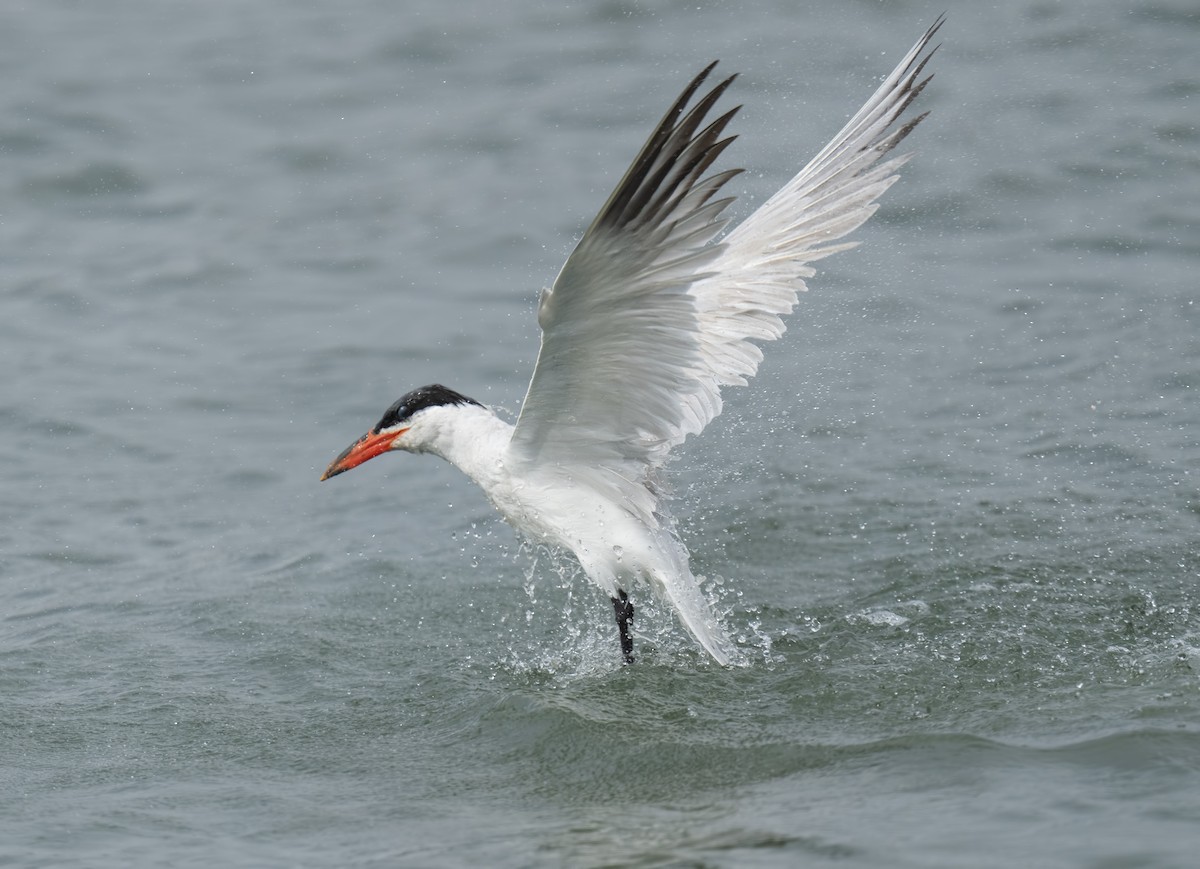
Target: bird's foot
{"x":624,"y":612}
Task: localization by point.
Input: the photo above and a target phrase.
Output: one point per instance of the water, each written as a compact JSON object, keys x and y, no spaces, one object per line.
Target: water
{"x":954,"y":520}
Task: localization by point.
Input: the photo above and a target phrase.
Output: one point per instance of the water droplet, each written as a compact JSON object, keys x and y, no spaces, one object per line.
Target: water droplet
{"x":618,"y":551}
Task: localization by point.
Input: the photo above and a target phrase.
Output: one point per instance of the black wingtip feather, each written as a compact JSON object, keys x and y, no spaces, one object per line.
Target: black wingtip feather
{"x":656,"y":174}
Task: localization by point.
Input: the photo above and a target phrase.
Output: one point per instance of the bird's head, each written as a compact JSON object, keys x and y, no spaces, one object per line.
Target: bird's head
{"x":411,"y":424}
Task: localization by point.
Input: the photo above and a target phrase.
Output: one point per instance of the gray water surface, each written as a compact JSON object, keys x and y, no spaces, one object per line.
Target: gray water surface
{"x":953,"y":523}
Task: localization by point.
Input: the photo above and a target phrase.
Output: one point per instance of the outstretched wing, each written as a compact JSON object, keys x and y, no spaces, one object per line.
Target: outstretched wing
{"x":650,"y":317}
{"x":764,"y":261}
{"x":620,"y":353}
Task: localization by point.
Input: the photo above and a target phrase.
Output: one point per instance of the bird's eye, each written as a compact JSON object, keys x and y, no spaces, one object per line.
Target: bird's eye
{"x":392,"y":416}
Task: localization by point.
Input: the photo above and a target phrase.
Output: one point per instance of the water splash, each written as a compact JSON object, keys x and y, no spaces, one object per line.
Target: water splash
{"x":568,"y":629}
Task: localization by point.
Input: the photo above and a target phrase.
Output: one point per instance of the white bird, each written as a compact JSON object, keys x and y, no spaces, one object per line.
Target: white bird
{"x":648,"y":319}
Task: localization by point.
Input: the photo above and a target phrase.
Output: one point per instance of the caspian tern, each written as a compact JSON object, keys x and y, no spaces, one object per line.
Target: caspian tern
{"x":650,"y":316}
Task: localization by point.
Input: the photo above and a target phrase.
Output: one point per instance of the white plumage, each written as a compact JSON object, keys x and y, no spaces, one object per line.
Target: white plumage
{"x":648,"y":319}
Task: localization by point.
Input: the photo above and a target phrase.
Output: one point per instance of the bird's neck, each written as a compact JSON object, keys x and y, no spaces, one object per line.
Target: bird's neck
{"x":474,"y":440}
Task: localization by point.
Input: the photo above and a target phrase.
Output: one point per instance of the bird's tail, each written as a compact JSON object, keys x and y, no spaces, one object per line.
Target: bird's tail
{"x":683,"y":591}
{"x":697,"y":616}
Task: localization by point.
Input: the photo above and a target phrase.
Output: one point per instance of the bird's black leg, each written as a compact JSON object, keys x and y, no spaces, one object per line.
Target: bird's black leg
{"x":624,"y":611}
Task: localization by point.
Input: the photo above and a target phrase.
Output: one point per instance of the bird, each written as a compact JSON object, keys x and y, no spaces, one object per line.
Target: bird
{"x":652,"y":314}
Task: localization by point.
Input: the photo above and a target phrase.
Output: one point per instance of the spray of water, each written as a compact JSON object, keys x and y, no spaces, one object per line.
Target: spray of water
{"x":566,"y":630}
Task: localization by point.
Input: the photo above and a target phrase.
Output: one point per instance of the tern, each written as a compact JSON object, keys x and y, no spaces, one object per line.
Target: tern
{"x":651,"y":315}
